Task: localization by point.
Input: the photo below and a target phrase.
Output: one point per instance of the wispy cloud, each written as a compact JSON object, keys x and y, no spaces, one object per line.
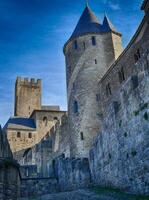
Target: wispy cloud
{"x":114,"y":6}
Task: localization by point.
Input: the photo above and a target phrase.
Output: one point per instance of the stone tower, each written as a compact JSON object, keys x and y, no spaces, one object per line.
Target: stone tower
{"x":27,"y":96}
{"x":89,"y":52}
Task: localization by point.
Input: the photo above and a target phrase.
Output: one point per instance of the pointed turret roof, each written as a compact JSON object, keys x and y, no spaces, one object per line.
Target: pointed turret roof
{"x":107,"y":25}
{"x":88,"y":23}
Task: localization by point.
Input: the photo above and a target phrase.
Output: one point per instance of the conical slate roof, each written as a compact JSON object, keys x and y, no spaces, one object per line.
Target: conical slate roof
{"x":107,"y":25}
{"x":88,"y":23}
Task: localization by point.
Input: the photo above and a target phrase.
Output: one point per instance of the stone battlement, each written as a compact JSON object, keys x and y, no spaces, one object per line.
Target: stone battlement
{"x":28,"y":81}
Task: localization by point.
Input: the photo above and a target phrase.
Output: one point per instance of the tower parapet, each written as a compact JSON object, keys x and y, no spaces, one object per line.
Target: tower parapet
{"x":28,"y":81}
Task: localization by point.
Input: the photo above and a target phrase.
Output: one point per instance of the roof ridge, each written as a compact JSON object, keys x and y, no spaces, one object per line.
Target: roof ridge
{"x":88,"y":22}
{"x":107,"y":24}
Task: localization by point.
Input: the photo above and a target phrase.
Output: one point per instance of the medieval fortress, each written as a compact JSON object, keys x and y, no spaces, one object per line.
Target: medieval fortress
{"x":103,"y":139}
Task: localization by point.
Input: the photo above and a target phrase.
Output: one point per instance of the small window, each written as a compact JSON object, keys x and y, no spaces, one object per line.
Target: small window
{"x":55,"y":118}
{"x":75,"y":44}
{"x":81,"y":136}
{"x":97,"y":97}
{"x":93,"y":41}
{"x":108,"y":90}
{"x":121,"y":75}
{"x":117,"y":106}
{"x":137,"y":55}
{"x":30,"y":135}
{"x":95,"y":61}
{"x":73,"y":86}
{"x":45,"y":120}
{"x":84,"y":46}
{"x":135,"y":81}
{"x":18,"y":134}
{"x":75,"y":107}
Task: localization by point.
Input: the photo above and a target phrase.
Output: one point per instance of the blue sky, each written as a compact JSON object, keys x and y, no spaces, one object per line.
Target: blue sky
{"x":32,"y":35}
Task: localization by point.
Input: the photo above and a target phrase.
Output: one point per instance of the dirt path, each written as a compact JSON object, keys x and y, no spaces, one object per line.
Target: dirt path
{"x":86,"y":195}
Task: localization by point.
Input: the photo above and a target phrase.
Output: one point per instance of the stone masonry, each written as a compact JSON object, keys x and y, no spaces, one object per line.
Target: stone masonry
{"x":27,"y":96}
{"x":86,"y":62}
{"x":119,"y":156}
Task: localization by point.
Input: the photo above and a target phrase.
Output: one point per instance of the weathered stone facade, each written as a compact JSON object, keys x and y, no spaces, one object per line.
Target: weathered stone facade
{"x":35,"y":187}
{"x":119,"y":157}
{"x":25,"y":132}
{"x":85,"y":66}
{"x":107,"y":95}
{"x":9,"y":171}
{"x":27,"y":96}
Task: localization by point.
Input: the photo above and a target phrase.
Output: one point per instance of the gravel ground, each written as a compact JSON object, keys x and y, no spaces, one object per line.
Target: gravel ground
{"x":86,"y":195}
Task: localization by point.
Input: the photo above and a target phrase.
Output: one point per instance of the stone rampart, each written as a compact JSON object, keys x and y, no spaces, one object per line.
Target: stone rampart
{"x":119,"y":157}
{"x":72,"y":173}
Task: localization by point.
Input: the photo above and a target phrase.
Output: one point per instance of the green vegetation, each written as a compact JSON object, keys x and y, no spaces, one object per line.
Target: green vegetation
{"x":118,"y":194}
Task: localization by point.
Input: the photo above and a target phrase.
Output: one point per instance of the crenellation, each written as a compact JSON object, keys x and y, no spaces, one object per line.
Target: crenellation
{"x":28,"y":81}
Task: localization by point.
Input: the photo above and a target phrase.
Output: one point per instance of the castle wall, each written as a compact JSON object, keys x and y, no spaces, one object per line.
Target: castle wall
{"x":24,"y":141}
{"x":72,"y":173}
{"x":60,"y":138}
{"x":119,"y":156}
{"x":45,"y":120}
{"x":35,"y":187}
{"x":9,"y":171}
{"x":87,"y":68}
{"x":126,"y":62}
{"x":27,"y":96}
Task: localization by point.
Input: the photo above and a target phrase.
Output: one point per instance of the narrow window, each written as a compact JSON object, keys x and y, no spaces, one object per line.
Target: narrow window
{"x":121,"y":75}
{"x":75,"y":107}
{"x":18,"y":134}
{"x":75,"y":44}
{"x":137,"y":55}
{"x":45,"y":120}
{"x":108,"y":90}
{"x":135,"y":81}
{"x":30,"y":135}
{"x":95,"y":61}
{"x":93,"y":41}
{"x":55,"y":118}
{"x":135,"y":58}
{"x":81,"y":136}
{"x":116,"y":106}
{"x":97,"y":97}
{"x":73,"y":86}
{"x":84,"y":46}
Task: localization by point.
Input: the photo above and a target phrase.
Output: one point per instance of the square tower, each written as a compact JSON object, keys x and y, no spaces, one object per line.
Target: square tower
{"x":27,"y":96}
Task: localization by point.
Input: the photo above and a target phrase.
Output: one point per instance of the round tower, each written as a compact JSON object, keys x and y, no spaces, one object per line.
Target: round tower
{"x":91,"y":49}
